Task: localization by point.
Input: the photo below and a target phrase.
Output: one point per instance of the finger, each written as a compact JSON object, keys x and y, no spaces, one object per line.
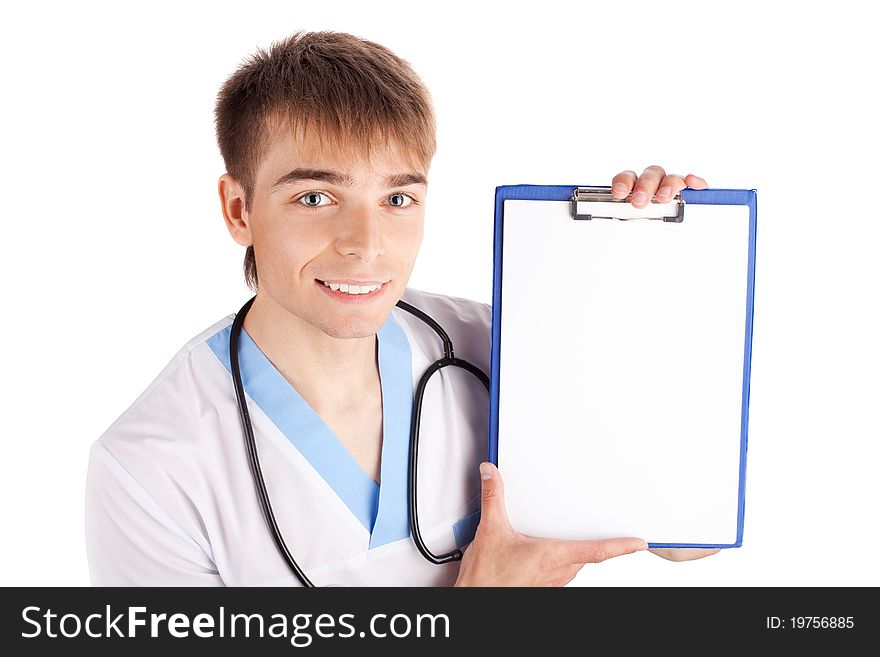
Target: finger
{"x":695,"y":182}
{"x":671,"y":185}
{"x":493,"y":512}
{"x":622,"y":184}
{"x":647,"y":184}
{"x":596,"y":551}
{"x":684,"y":554}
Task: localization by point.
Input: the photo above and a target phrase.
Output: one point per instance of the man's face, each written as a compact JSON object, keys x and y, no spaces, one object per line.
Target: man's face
{"x":322,"y":225}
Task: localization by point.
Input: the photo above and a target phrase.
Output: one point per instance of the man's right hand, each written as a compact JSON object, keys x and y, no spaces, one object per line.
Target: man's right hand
{"x":501,"y":556}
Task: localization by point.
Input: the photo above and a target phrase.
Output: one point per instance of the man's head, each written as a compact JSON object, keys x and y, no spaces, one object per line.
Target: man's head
{"x":327,"y":140}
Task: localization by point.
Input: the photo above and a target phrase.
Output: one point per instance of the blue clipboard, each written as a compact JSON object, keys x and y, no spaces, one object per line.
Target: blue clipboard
{"x":689,"y":198}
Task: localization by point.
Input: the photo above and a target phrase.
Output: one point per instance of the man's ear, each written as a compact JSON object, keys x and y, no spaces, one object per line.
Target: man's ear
{"x":234,"y":212}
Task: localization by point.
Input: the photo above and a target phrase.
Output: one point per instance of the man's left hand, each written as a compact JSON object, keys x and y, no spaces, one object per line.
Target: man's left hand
{"x":654,"y":181}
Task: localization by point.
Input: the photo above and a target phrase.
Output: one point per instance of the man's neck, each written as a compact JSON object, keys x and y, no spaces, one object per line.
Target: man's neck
{"x":329,"y":373}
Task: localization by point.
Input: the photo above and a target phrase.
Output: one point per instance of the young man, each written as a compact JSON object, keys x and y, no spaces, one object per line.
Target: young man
{"x":327,"y":141}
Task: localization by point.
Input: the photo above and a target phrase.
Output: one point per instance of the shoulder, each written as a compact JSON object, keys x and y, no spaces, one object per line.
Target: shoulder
{"x":168,"y":406}
{"x":150,"y":471}
{"x":454,"y":309}
{"x":468,"y":323}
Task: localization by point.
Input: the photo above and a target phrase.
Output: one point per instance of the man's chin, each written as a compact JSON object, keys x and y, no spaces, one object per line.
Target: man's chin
{"x":353,"y":329}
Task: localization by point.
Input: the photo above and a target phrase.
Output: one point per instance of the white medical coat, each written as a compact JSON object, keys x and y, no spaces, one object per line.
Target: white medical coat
{"x":170,"y":499}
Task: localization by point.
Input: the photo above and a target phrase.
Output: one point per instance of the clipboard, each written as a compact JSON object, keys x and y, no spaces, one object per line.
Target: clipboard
{"x":621,"y":357}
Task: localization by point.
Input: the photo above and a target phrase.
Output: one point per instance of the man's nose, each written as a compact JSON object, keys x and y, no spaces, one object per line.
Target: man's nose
{"x":361,"y":234}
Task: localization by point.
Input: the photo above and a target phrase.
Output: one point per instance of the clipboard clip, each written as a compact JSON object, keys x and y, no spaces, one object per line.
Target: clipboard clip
{"x":582,"y":197}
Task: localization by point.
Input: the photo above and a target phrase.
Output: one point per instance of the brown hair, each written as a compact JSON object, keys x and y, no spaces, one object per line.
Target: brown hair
{"x":352,"y":93}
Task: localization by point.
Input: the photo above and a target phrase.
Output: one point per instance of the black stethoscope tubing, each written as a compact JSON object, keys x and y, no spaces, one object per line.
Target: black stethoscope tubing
{"x":448,"y":360}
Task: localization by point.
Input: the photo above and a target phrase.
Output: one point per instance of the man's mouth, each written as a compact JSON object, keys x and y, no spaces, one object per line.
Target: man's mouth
{"x":352,"y":288}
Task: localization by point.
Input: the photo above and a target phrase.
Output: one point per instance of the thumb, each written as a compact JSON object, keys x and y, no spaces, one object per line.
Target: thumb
{"x":493,"y":512}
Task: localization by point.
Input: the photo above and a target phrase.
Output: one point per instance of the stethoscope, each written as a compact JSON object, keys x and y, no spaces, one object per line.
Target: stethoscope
{"x":448,"y":360}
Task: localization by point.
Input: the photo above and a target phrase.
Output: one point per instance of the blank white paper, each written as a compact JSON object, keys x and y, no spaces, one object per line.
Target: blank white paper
{"x":621,"y":373}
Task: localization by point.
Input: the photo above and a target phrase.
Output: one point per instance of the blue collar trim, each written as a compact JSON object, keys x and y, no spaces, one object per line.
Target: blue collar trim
{"x":382,"y":510}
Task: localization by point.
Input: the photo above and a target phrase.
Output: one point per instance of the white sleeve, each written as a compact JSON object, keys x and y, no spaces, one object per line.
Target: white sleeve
{"x":131,"y":540}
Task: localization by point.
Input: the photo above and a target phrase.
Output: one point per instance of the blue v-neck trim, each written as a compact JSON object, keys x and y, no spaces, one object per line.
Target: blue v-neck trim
{"x":395,"y":370}
{"x":382,"y":510}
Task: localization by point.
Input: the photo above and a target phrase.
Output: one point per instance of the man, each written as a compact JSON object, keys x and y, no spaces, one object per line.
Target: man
{"x":327,"y":141}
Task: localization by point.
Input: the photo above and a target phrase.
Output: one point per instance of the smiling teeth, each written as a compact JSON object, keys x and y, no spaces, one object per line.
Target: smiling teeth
{"x":352,"y":289}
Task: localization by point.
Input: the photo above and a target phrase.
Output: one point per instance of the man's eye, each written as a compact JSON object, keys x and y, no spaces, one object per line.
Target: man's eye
{"x":400,"y":200}
{"x":314,"y":199}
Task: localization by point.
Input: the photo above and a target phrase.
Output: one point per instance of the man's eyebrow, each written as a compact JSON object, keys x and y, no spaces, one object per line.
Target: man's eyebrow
{"x":404,"y":179}
{"x":332,"y":177}
{"x":344,"y":179}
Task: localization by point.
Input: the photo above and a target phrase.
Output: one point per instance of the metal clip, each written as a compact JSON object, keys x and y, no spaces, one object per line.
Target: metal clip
{"x":582,"y":196}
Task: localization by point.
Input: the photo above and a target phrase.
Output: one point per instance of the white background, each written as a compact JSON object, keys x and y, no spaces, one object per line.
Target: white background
{"x":115,"y":252}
